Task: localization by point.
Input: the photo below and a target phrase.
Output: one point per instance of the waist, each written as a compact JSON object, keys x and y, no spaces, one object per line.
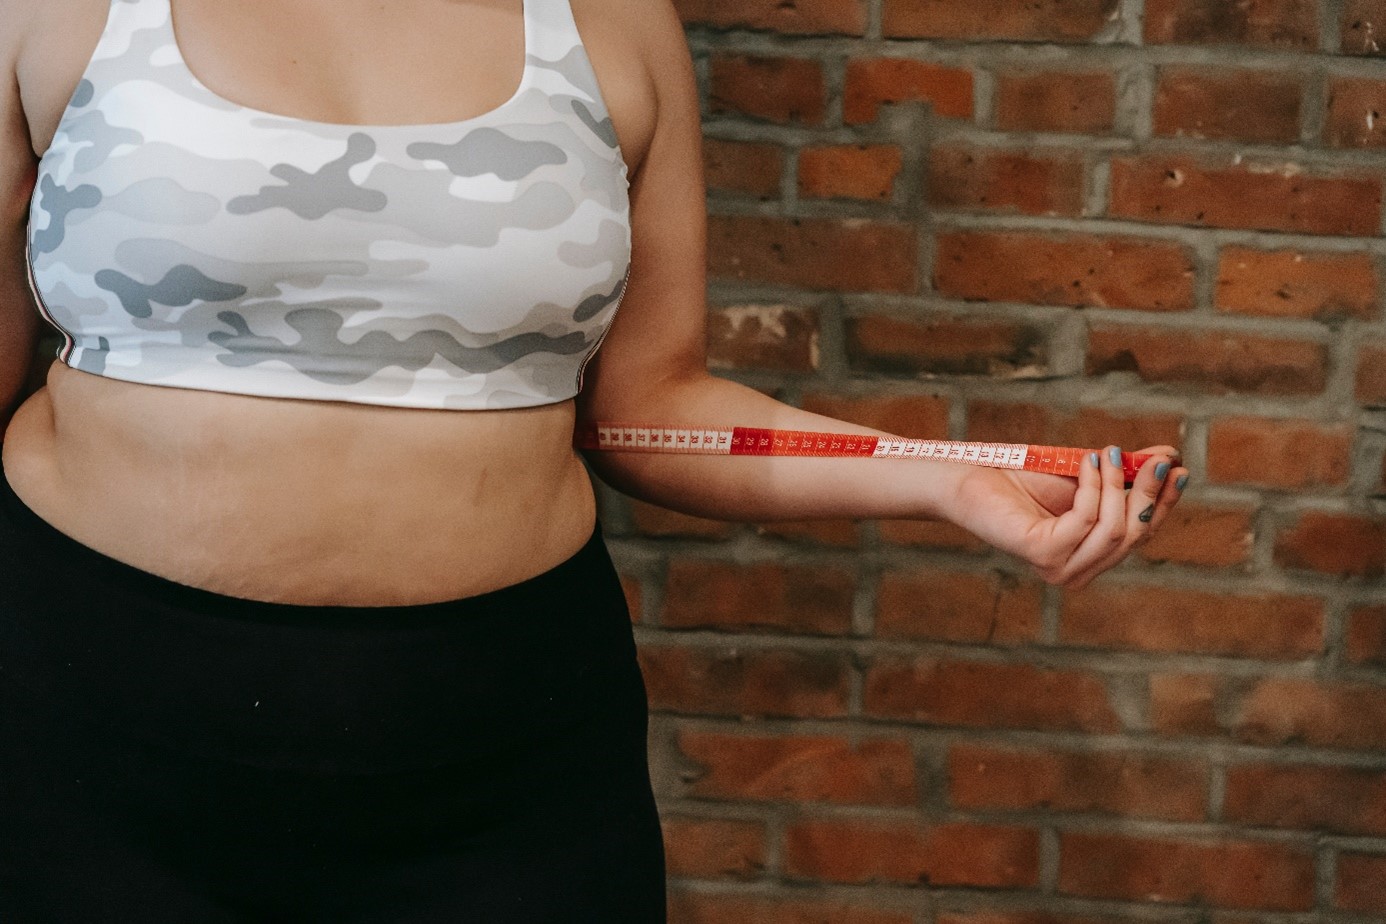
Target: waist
{"x":306,"y":502}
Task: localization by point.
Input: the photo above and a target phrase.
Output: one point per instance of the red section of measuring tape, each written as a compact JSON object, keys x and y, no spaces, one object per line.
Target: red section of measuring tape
{"x":753,"y":441}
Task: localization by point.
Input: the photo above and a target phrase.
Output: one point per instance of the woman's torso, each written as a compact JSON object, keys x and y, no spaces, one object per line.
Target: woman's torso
{"x":315,"y":501}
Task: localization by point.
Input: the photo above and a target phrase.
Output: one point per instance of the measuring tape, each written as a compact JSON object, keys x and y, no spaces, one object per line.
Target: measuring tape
{"x":755,"y":441}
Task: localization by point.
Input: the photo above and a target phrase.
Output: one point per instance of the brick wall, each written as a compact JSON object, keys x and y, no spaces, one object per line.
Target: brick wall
{"x":1051,"y":221}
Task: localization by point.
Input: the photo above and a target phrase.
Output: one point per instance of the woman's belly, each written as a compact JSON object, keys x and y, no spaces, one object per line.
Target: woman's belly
{"x":304,"y":502}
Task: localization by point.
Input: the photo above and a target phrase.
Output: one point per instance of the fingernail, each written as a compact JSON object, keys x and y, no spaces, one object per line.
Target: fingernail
{"x":1115,"y":455}
{"x":1181,"y":482}
{"x":1095,"y":460}
{"x":1161,"y":470}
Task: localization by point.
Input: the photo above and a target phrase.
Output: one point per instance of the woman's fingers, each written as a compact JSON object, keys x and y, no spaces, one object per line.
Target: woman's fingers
{"x":1107,"y":532}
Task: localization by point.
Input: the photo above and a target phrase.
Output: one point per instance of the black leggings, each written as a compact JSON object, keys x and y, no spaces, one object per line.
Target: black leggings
{"x":169,"y":755}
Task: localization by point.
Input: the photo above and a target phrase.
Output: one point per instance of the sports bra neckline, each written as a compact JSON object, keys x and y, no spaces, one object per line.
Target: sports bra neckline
{"x":526,"y":79}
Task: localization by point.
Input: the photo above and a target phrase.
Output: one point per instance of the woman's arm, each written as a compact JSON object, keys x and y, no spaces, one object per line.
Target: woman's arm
{"x":652,"y":369}
{"x":19,"y":322}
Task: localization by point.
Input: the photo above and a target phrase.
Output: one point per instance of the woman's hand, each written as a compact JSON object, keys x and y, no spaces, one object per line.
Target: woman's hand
{"x":1070,"y":532}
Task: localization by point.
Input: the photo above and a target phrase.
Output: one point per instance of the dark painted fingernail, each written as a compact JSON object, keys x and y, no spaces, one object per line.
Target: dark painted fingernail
{"x":1148,"y":514}
{"x":1181,"y":482}
{"x":1161,"y":470}
{"x":1115,"y":455}
{"x":1095,"y":460}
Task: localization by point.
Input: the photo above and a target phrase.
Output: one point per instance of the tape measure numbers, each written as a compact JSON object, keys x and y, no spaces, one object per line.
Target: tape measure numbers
{"x":755,"y":441}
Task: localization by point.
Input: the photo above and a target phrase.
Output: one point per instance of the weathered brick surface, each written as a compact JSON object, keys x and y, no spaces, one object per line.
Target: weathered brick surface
{"x":1111,"y":615}
{"x":874,"y":82}
{"x":713,"y":848}
{"x":1337,"y":799}
{"x":956,"y":606}
{"x":989,"y":778}
{"x":1290,"y":283}
{"x":743,"y":167}
{"x":1072,"y":270}
{"x":983,"y":695}
{"x":1229,"y":874}
{"x":799,"y":769}
{"x":1055,"y":101}
{"x":1217,"y":363}
{"x":944,"y":855}
{"x":1290,"y":24}
{"x":1286,"y":454}
{"x":1355,"y":113}
{"x":847,"y":17}
{"x":858,"y":171}
{"x":1362,"y":24}
{"x":1259,"y":106}
{"x":1065,"y":222}
{"x":970,"y":178}
{"x":944,"y":345}
{"x":1038,"y":20}
{"x":1282,"y":196}
{"x":814,"y":253}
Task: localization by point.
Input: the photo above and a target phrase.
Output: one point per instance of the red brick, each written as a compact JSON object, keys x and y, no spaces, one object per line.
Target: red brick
{"x":1020,"y":917}
{"x":1285,"y":197}
{"x":1055,"y":102}
{"x":851,"y":254}
{"x":944,"y":855}
{"x":1286,"y":454}
{"x":874,"y":82}
{"x":849,"y":171}
{"x":1213,"y":361}
{"x":971,"y":20}
{"x":1287,"y":710}
{"x":976,"y":694}
{"x":922,"y":417}
{"x":1338,"y":799}
{"x":1363,"y":25}
{"x":1371,"y":373}
{"x":795,"y":598}
{"x":778,"y":337}
{"x":967,"y":177}
{"x":1131,"y":785}
{"x":1289,"y":24}
{"x":1366,"y":636}
{"x":1193,"y":534}
{"x":930,"y":534}
{"x":1240,"y":105}
{"x":840,"y":533}
{"x":991,"y":608}
{"x":1356,"y":113}
{"x":704,"y":908}
{"x":743,"y":167}
{"x":803,"y":17}
{"x":1295,"y":284}
{"x":632,"y":591}
{"x":945,"y":345}
{"x":1342,"y":545}
{"x":651,"y":520}
{"x":740,"y":682}
{"x":783,"y":90}
{"x":799,"y":768}
{"x":1071,"y":270}
{"x":1361,"y":882}
{"x":1184,"y":704}
{"x":1152,"y":618}
{"x":1226,"y":874}
{"x":713,"y":848}
{"x":1092,"y":427}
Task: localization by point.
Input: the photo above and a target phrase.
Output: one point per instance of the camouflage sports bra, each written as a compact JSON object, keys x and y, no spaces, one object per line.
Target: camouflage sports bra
{"x":177,"y":238}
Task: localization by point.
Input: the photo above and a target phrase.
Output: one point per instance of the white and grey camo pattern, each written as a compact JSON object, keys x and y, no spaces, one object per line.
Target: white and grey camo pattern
{"x":179,"y":239}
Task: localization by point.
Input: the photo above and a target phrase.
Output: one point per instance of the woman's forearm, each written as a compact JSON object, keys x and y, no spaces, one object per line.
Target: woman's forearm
{"x":766,"y":488}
